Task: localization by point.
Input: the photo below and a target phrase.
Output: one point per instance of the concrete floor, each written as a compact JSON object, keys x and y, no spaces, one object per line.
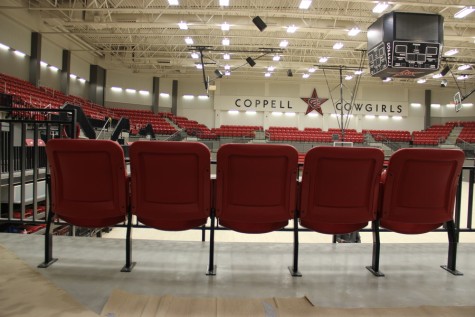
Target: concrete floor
{"x":333,"y":275}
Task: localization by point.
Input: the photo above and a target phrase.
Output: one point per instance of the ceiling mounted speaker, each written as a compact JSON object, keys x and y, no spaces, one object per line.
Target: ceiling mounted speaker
{"x":250,"y":61}
{"x":259,"y":23}
{"x":289,"y":73}
{"x":445,"y":70}
{"x":218,"y":73}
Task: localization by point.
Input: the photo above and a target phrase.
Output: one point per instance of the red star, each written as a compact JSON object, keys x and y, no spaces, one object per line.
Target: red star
{"x":314,"y":103}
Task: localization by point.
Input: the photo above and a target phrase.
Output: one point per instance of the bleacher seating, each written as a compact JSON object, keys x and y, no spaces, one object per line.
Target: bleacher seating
{"x":390,"y":135}
{"x":240,"y":131}
{"x":26,"y":95}
{"x":313,"y":135}
{"x":468,"y":132}
{"x":433,"y":135}
{"x":140,"y":118}
{"x":192,"y":127}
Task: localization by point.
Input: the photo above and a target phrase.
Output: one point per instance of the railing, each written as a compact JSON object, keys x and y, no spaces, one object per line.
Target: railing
{"x":23,"y":193}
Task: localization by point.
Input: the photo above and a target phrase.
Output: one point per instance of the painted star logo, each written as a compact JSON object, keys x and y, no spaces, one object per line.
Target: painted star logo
{"x":314,"y":102}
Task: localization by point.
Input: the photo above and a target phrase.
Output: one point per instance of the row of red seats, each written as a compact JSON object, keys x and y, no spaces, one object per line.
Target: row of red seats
{"x":43,"y":97}
{"x":255,"y":190}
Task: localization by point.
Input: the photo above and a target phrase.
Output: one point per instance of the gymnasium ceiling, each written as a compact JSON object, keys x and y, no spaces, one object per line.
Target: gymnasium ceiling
{"x":144,"y":37}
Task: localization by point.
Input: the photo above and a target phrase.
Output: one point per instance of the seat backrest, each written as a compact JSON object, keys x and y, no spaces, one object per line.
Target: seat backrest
{"x":88,"y":181}
{"x":339,"y":189}
{"x":419,"y":189}
{"x":256,"y":186}
{"x":171,"y":184}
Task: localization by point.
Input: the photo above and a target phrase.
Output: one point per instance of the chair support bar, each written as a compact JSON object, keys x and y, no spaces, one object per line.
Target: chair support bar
{"x":48,"y":240}
{"x":374,"y":268}
{"x":452,"y":254}
{"x":129,"y":265}
{"x":294,"y":269}
{"x":211,"y":266}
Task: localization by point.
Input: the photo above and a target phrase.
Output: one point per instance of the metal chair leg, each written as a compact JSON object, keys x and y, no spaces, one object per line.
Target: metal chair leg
{"x":294,"y":269}
{"x":129,"y":265}
{"x":453,"y":244}
{"x":374,"y":268}
{"x":211,"y":266}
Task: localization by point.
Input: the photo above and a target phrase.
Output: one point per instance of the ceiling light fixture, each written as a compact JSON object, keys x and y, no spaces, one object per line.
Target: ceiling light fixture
{"x":421,"y":81}
{"x":195,"y":55}
{"x":284,"y":43}
{"x":464,"y":12}
{"x":226,"y":41}
{"x":337,"y":45}
{"x":354,"y":31}
{"x":276,"y":58}
{"x":380,"y":7}
{"x":387,"y":79}
{"x":227,"y":67}
{"x":4,"y":47}
{"x":189,"y":41}
{"x":348,"y":77}
{"x":305,"y":4}
{"x":271,"y":68}
{"x":305,"y":75}
{"x":291,"y":29}
{"x":267,"y":74}
{"x":224,"y":3}
{"x":226,"y":56}
{"x":358,"y":72}
{"x":183,"y":26}
{"x":312,"y":70}
{"x":462,"y":77}
{"x":464,"y":67}
{"x":225,"y":27}
{"x":19,"y":53}
{"x":451,"y":52}
{"x":323,"y":59}
{"x":173,"y":2}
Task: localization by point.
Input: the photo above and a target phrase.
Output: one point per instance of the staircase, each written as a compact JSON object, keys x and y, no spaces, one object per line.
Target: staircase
{"x":454,"y":134}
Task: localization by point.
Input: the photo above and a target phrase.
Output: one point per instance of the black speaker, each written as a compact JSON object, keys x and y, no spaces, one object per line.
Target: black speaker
{"x":218,"y":73}
{"x":261,"y":25}
{"x":250,"y":61}
{"x":289,"y":73}
{"x":445,"y":70}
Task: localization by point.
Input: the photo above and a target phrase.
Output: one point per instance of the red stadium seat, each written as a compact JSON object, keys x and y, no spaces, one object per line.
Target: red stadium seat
{"x":418,"y":195}
{"x":89,"y":188}
{"x":255,"y":188}
{"x":339,"y":191}
{"x":170,"y":184}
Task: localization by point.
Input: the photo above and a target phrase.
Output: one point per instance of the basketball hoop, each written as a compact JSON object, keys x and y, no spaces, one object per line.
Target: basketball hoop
{"x":457,"y":102}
